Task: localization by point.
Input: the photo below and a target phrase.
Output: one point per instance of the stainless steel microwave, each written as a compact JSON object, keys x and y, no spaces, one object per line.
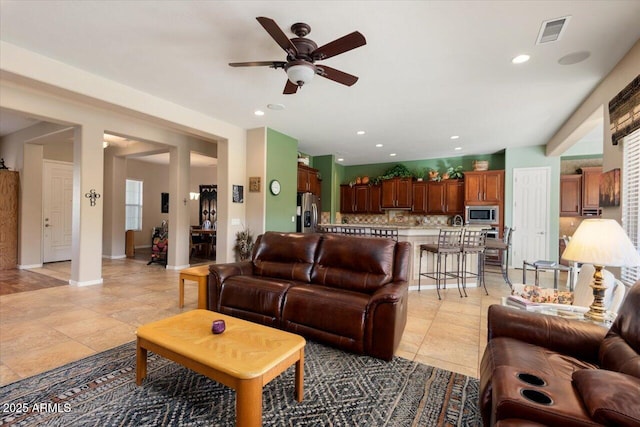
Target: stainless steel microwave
{"x":482,"y":214}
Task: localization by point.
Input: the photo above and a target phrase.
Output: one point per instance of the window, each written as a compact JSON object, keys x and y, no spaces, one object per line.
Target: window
{"x":133,"y":203}
{"x":631,"y":199}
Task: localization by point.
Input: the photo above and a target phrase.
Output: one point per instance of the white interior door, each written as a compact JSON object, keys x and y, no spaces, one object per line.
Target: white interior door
{"x":57,"y":193}
{"x":531,"y":199}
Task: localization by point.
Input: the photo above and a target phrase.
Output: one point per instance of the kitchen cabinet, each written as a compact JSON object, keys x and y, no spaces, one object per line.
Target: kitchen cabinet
{"x":591,"y":190}
{"x":420,"y":194}
{"x":484,"y":187}
{"x":375,"y":199}
{"x":570,"y":195}
{"x":346,"y":199}
{"x":397,"y":193}
{"x":446,"y":197}
{"x":308,"y":179}
{"x":360,"y":198}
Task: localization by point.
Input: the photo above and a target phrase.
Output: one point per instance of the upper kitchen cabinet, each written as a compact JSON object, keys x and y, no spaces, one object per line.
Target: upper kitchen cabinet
{"x":446,"y":197}
{"x":484,"y":187}
{"x":420,"y":196}
{"x":570,"y":195}
{"x":591,"y":190}
{"x":397,"y":193}
{"x":375,"y":199}
{"x":308,"y":180}
{"x":347,"y":204}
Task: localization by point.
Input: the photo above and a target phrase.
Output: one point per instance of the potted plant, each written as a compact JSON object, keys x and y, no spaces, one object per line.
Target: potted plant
{"x":419,"y":173}
{"x":455,"y":173}
{"x":244,"y":244}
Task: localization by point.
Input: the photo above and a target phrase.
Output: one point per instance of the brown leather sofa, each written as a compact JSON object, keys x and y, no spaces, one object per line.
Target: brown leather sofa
{"x":348,"y":292}
{"x":579,"y":374}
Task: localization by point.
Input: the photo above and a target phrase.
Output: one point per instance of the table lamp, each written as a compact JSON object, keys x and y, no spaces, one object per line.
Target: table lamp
{"x":601,"y":242}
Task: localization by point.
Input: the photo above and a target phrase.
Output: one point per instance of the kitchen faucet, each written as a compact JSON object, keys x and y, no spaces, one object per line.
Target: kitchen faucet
{"x":458,"y":221}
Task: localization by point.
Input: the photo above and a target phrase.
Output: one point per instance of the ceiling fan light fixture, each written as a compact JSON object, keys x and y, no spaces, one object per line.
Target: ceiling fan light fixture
{"x":301,"y":72}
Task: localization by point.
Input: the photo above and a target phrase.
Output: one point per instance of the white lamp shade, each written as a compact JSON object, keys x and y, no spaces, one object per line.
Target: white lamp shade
{"x":301,"y":74}
{"x":601,"y":242}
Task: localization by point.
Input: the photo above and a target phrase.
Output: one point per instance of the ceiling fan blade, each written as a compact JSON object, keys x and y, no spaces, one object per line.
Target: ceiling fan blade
{"x":338,"y":46}
{"x":336,"y":75}
{"x":273,"y":64}
{"x":278,"y":35}
{"x":290,"y":88}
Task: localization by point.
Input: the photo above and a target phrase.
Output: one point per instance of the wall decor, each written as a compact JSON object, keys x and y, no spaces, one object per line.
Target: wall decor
{"x":238,"y":194}
{"x":254,"y":184}
{"x":610,"y":188}
{"x":208,"y":204}
{"x":164,"y":202}
{"x":92,"y":196}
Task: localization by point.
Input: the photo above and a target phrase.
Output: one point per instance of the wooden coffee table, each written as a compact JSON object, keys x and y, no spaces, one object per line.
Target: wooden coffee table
{"x":245,"y":357}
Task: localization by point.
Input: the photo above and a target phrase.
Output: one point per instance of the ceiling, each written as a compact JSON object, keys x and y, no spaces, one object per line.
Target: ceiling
{"x":429,"y":70}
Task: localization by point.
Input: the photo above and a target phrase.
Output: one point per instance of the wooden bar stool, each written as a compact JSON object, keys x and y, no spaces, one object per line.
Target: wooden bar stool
{"x":199,"y":274}
{"x":449,"y":243}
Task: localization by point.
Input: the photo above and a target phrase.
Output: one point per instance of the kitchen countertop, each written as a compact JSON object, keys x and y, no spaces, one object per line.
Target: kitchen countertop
{"x":409,"y":230}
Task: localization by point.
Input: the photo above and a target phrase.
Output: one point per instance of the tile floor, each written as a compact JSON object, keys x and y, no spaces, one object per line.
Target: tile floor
{"x":46,"y":328}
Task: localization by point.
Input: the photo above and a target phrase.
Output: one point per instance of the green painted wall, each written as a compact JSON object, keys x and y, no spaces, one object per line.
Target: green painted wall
{"x":326,"y":165}
{"x":527,"y":157}
{"x":496,"y":161}
{"x":282,"y":164}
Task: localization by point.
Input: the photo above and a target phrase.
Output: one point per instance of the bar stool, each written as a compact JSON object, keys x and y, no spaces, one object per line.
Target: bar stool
{"x":473,"y":243}
{"x":449,"y":243}
{"x":502,"y":246}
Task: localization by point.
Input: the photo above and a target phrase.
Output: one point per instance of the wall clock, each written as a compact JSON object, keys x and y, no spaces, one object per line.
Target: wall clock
{"x":275,"y":187}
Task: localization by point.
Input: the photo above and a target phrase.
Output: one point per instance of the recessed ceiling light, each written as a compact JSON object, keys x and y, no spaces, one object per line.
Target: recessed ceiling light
{"x":379,"y":145}
{"x":454,"y":137}
{"x":393,"y":154}
{"x":360,"y":132}
{"x":340,"y":159}
{"x":520,"y":59}
{"x":259,"y":113}
{"x":458,"y":148}
{"x":276,"y":107}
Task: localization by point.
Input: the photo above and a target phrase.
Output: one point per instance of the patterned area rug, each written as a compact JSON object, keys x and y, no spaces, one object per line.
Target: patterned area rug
{"x":341,"y":389}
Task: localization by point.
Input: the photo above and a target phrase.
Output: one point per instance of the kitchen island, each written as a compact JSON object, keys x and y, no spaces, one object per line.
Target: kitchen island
{"x":417,"y":235}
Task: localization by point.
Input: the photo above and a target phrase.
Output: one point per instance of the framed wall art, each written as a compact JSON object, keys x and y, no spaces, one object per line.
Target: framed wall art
{"x":254,"y":184}
{"x":238,"y":194}
{"x":610,"y":188}
{"x":164,"y":203}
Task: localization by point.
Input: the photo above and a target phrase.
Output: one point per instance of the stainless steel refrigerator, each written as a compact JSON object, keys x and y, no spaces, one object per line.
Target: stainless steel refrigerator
{"x":307,"y":213}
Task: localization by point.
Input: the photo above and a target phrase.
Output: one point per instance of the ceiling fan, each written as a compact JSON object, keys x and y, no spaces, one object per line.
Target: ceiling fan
{"x":302,"y":53}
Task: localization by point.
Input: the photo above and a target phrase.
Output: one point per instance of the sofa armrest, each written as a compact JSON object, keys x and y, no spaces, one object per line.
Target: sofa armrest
{"x":386,"y":319}
{"x":568,"y":336}
{"x":218,"y":273}
{"x":612,"y":398}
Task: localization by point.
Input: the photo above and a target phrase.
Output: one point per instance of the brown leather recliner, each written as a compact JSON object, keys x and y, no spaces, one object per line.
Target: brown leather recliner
{"x":578,"y":372}
{"x":349,"y":292}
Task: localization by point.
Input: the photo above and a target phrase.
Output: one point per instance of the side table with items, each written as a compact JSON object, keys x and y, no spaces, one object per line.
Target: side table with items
{"x":542,"y":265}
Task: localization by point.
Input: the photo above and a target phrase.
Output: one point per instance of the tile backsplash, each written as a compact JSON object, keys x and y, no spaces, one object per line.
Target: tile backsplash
{"x":405,"y":218}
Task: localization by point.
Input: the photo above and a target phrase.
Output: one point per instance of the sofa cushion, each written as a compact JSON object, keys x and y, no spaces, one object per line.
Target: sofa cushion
{"x":254,"y":298}
{"x":610,"y":397}
{"x":620,"y":349}
{"x":332,"y":315}
{"x":285,"y":255}
{"x":360,"y":264}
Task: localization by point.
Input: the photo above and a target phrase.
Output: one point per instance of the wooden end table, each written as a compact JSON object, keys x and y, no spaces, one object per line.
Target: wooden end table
{"x":245,"y":357}
{"x":198,"y":274}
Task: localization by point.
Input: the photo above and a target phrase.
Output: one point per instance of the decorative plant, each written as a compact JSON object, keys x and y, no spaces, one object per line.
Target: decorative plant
{"x":396,"y":171}
{"x":244,"y":244}
{"x":455,"y":173}
{"x":434,"y":175}
{"x":419,"y":173}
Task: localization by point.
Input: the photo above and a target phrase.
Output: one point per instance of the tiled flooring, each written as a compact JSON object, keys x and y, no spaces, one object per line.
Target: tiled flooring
{"x":46,"y":328}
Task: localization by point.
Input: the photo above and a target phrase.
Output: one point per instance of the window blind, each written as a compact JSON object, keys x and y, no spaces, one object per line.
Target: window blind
{"x":631,"y":199}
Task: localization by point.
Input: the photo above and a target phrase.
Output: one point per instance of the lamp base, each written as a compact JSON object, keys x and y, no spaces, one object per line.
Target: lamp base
{"x":597,"y":310}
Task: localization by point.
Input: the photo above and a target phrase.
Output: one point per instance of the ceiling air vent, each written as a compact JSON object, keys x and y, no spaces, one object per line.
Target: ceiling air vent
{"x":552,"y":30}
